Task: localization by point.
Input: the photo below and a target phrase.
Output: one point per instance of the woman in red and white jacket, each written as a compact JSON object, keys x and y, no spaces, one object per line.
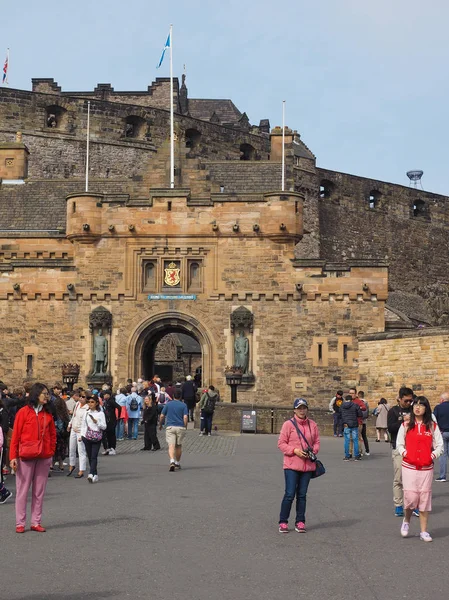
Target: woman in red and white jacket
{"x":298,"y":468}
{"x":419,"y":442}
{"x":32,"y":448}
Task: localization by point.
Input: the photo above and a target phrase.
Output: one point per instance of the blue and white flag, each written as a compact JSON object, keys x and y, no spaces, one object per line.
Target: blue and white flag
{"x":167,"y":45}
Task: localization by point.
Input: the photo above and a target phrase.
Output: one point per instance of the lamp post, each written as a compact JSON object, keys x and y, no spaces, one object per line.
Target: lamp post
{"x":233,"y":379}
{"x":70,"y":374}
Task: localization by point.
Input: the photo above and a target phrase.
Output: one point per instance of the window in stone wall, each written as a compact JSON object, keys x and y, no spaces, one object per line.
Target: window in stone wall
{"x":193,"y":137}
{"x":135,"y":127}
{"x":149,"y":276}
{"x":420,"y":209}
{"x":55,"y":117}
{"x":29,"y":365}
{"x":326,"y":188}
{"x":194,"y":275}
{"x":374,"y":198}
{"x":247,"y":152}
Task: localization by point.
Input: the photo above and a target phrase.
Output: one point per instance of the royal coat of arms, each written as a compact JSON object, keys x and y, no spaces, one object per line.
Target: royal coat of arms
{"x":172,"y":277}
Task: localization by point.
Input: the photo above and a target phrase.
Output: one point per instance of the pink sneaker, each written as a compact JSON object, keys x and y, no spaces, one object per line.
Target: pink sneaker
{"x":300,"y":527}
{"x":283,"y":527}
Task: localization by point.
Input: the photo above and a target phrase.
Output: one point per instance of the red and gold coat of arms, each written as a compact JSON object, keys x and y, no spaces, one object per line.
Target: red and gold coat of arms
{"x":172,"y":276}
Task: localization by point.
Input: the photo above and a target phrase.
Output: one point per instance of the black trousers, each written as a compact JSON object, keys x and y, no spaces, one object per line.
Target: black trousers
{"x":150,"y":437}
{"x":364,"y":437}
{"x":111,"y":438}
{"x":92,"y":450}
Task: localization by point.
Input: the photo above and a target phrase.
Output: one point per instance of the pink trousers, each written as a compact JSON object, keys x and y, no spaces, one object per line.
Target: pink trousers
{"x":31,"y":473}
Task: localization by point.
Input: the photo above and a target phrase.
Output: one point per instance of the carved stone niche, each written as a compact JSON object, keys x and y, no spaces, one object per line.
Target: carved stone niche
{"x":100,"y":317}
{"x":100,"y":326}
{"x":242,"y":318}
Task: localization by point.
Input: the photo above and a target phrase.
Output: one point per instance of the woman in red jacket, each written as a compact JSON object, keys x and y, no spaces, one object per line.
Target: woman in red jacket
{"x":298,"y":466}
{"x":33,"y":445}
{"x":419,"y":442}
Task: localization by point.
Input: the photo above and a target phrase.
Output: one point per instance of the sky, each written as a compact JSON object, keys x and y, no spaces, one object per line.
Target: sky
{"x":365,"y":83}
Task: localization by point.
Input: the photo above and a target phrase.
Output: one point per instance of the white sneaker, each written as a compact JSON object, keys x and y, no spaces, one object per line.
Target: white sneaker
{"x":112,"y":452}
{"x":105,"y":452}
{"x":209,"y":434}
{"x":90,"y":478}
{"x":95,"y":479}
{"x":425,"y":537}
{"x":404,"y":529}
{"x":367,"y":453}
{"x":201,"y":433}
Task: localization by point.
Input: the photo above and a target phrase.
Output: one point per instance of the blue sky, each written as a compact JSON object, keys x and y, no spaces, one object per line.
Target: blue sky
{"x":365,"y":83}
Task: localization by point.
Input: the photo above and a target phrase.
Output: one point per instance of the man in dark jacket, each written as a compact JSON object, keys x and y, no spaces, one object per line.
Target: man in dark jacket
{"x":396,"y":417}
{"x":188,"y":390}
{"x":350,"y":413}
{"x":441,"y":412}
{"x":207,"y":405}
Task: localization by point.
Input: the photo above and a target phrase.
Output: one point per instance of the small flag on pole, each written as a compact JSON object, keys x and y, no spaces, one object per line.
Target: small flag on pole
{"x":167,"y":45}
{"x":5,"y":68}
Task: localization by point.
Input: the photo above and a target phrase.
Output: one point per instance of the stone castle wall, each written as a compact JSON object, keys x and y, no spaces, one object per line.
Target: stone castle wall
{"x":415,"y":247}
{"x":416,"y":359}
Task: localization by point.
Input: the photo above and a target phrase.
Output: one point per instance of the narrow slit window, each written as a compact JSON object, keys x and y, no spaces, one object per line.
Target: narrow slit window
{"x":320,"y":352}
{"x":29,"y":365}
{"x":169,"y":205}
{"x":345,"y":353}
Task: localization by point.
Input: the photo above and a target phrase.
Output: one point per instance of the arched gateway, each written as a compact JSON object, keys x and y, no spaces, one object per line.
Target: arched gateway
{"x":152,"y":329}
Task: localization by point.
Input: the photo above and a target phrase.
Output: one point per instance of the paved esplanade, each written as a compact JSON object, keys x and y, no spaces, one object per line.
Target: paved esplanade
{"x":210,"y":531}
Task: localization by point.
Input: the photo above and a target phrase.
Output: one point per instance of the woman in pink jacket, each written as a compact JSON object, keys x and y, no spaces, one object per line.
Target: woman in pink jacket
{"x":299,"y":463}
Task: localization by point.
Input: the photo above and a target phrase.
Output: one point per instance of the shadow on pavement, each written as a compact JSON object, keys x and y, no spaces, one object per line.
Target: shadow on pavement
{"x":440,"y":533}
{"x":330,"y":524}
{"x":92,"y":522}
{"x":77,"y":596}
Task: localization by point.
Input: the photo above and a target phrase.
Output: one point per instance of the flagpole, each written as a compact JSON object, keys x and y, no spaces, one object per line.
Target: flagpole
{"x":283,"y":145}
{"x":172,"y":136}
{"x":87,"y":146}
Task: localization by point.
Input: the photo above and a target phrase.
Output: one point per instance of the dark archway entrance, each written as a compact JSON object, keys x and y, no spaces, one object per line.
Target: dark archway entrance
{"x":195,"y":340}
{"x":172,"y":355}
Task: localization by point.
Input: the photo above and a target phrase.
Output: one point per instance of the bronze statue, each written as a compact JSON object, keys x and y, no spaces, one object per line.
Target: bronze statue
{"x":100,"y":354}
{"x":241,"y":352}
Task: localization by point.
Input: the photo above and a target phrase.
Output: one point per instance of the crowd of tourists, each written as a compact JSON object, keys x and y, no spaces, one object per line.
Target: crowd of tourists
{"x":417,"y":437}
{"x":40,"y":427}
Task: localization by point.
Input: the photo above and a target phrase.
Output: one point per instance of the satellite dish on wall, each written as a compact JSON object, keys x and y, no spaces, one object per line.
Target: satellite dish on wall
{"x":415,"y":177}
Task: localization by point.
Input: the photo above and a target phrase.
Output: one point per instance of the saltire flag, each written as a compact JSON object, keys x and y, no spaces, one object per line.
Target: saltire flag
{"x":5,"y":71}
{"x":167,"y":45}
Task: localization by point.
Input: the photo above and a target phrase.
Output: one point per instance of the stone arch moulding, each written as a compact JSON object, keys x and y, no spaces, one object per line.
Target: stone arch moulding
{"x":156,"y":323}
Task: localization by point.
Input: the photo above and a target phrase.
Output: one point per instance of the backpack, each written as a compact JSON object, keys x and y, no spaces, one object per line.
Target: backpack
{"x":134,"y":405}
{"x":365,"y":413}
{"x":209,"y":407}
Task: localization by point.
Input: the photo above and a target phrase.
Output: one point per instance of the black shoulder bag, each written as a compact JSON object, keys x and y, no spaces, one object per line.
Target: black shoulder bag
{"x":320,"y":470}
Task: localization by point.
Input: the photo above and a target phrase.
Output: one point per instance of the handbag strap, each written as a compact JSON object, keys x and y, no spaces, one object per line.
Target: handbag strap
{"x":300,"y":433}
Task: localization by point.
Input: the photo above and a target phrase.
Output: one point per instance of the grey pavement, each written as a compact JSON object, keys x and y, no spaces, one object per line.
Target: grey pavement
{"x":210,"y":531}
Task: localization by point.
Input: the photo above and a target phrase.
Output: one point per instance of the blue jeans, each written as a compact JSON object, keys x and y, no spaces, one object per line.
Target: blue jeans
{"x":133,"y":428}
{"x":206,"y":421}
{"x":354,"y":433}
{"x":120,"y":429}
{"x":296,"y":484}
{"x":444,"y":456}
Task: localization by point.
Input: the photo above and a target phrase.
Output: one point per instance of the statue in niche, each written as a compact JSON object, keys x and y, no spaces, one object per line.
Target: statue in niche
{"x":241,"y":352}
{"x":100,"y":354}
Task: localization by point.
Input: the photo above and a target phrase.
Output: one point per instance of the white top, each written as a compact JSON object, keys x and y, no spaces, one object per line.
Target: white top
{"x":98,"y":415}
{"x":77,"y":416}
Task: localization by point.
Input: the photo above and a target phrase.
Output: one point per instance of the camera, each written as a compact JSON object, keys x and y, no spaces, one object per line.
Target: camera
{"x":311,"y":455}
